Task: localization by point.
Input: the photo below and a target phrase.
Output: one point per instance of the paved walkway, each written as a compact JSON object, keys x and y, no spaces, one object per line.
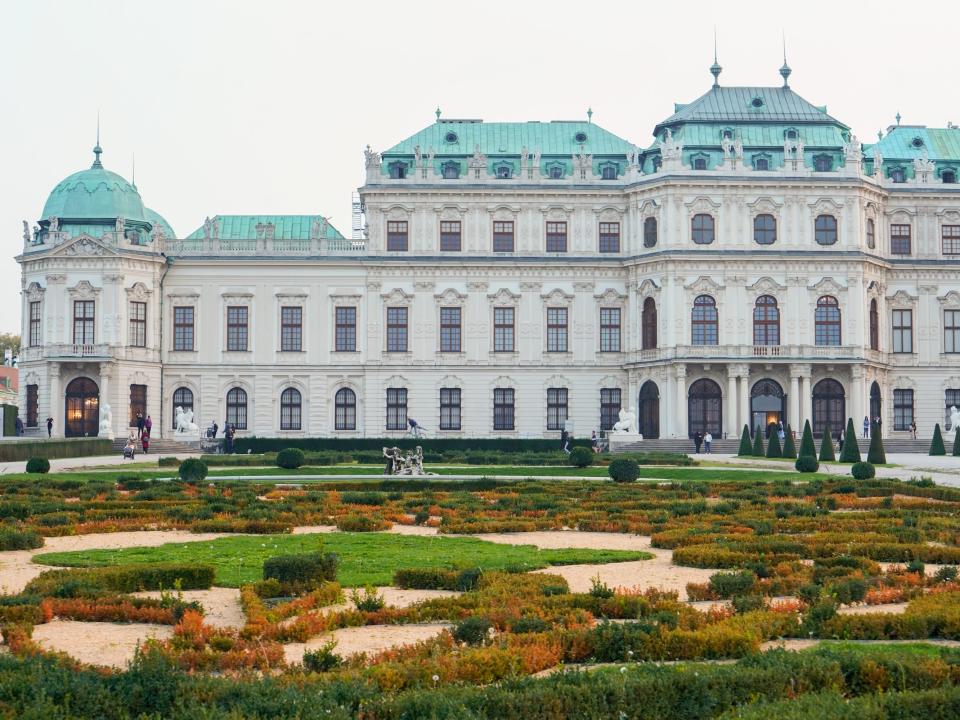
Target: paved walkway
{"x":82,"y":463}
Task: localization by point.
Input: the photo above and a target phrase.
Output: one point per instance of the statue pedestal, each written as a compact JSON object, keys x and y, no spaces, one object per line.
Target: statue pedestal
{"x":189,"y":436}
{"x":619,"y":440}
{"x":106,"y":433}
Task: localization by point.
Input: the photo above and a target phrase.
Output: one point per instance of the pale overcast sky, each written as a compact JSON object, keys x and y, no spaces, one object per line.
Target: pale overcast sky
{"x":265,"y":107}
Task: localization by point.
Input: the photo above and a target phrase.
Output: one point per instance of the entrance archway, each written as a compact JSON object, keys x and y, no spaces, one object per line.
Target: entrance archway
{"x":767,"y":405}
{"x":82,"y":409}
{"x":705,"y":409}
{"x":829,"y":414}
{"x":876,"y":402}
{"x":648,"y":418}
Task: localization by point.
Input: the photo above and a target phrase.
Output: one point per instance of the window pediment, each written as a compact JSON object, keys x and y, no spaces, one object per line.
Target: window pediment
{"x":396,"y":381}
{"x":764,"y":205}
{"x":702,"y":204}
{"x":84,"y":245}
{"x":138,"y":291}
{"x":83,"y":290}
{"x":503,"y":381}
{"x":950,"y":300}
{"x":825,"y":206}
{"x":649,"y":208}
{"x":451,"y":298}
{"x":34,"y":292}
{"x":766,"y":286}
{"x":648,"y":288}
{"x":557,"y":297}
{"x":504,"y":297}
{"x":704,"y":285}
{"x":901,"y":298}
{"x":397,"y":296}
{"x":557,"y":381}
{"x":450,"y":381}
{"x":611,"y":298}
{"x":827,"y":286}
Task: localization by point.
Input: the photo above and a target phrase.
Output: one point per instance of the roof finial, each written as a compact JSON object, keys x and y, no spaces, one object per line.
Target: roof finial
{"x":785,"y":70}
{"x":133,"y":169}
{"x":96,"y":148}
{"x":589,"y":114}
{"x":437,"y":113}
{"x":897,"y":116}
{"x":715,"y":69}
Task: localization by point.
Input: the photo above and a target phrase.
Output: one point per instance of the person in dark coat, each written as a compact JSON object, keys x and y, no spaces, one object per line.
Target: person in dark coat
{"x":228,"y":433}
{"x":697,"y":440}
{"x":49,"y":427}
{"x":139,"y":423}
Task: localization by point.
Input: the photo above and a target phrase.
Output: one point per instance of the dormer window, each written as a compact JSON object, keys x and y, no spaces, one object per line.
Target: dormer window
{"x":823,"y":163}
{"x":948,"y":177}
{"x":761,"y":162}
{"x":608,"y":172}
{"x":791,"y":134}
{"x":727,"y":134}
{"x":451,"y":170}
{"x":897,"y":175}
{"x":503,"y":172}
{"x":398,"y":170}
{"x":699,"y":163}
{"x":555,"y":172}
{"x":757,"y":102}
{"x":451,"y":138}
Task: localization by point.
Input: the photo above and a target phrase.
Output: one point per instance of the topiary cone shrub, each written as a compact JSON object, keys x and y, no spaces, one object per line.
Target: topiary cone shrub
{"x":956,"y":443}
{"x":623,"y":470}
{"x":789,"y":447}
{"x":38,"y":465}
{"x":851,"y":450}
{"x":581,"y":457}
{"x":876,"y":454}
{"x":291,"y":458}
{"x":826,"y":447}
{"x":936,"y":445}
{"x":807,"y":446}
{"x":746,"y":447}
{"x":773,"y":445}
{"x":192,"y":470}
{"x":862,"y":471}
{"x":758,"y":444}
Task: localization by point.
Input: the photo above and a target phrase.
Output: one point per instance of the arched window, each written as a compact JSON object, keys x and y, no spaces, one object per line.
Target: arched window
{"x":766,"y":321}
{"x":825,"y":229}
{"x":504,"y":172}
{"x":648,"y":322}
{"x":702,"y":228}
{"x":767,"y":406}
{"x":871,"y":233}
{"x":650,"y":232}
{"x":182,"y":398}
{"x":951,"y":398}
{"x":609,"y":172}
{"x":648,"y":417}
{"x":827,"y":321}
{"x":699,"y":163}
{"x":874,"y":326}
{"x":345,"y":405}
{"x":828,"y":407}
{"x":791,"y":134}
{"x":704,"y":408}
{"x":555,"y":172}
{"x":82,"y":408}
{"x":898,"y":175}
{"x":237,"y":408}
{"x":765,"y":229}
{"x":704,"y":321}
{"x":290,"y":407}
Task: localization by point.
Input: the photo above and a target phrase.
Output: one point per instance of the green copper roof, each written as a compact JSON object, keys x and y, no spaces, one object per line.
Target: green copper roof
{"x":748,"y":105}
{"x":557,"y":137}
{"x":285,"y":227}
{"x":155,"y":218}
{"x":770,"y":135}
{"x":94,"y":193}
{"x":901,"y":143}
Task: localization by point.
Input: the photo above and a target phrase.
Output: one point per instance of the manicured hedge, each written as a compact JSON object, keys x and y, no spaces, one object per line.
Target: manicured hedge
{"x":437,"y":579}
{"x":79,"y":582}
{"x":301,"y":570}
{"x":12,"y":538}
{"x":262,"y":444}
{"x":9,"y":420}
{"x":51,"y":449}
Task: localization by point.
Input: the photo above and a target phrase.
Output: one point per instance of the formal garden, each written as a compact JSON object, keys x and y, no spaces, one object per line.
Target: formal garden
{"x":512,"y":582}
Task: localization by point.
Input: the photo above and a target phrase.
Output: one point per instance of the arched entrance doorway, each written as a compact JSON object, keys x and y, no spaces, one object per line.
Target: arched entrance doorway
{"x":828,"y":407}
{"x":705,"y":408}
{"x":82,"y":408}
{"x":876,"y":402}
{"x":648,"y":419}
{"x":767,"y":405}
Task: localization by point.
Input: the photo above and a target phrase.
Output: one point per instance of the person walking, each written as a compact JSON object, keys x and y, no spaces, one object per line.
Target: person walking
{"x":49,"y":427}
{"x":18,"y":426}
{"x":594,"y":442}
{"x":145,"y":441}
{"x":707,"y":439}
{"x":913,"y":429}
{"x":139,"y":423}
{"x":697,"y":441}
{"x":228,"y":433}
{"x":148,"y":425}
{"x":215,"y":428}
{"x":866,"y":427}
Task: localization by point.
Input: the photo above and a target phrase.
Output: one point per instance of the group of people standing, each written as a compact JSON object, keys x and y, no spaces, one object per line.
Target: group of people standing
{"x":144,"y":428}
{"x":702,"y":439}
{"x":229,"y":432}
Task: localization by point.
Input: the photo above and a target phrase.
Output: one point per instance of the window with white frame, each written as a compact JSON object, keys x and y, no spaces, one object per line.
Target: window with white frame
{"x":396,"y":329}
{"x":345,"y":409}
{"x":346,"y":329}
{"x":950,"y":239}
{"x":609,"y":237}
{"x":396,"y":408}
{"x":556,"y":408}
{"x":609,"y":329}
{"x":557,"y":330}
{"x":183,"y":328}
{"x":138,"y":324}
{"x":449,"y":408}
{"x":33,"y":334}
{"x":609,"y":407}
{"x":951,"y":331}
{"x":291,"y":328}
{"x":556,"y":237}
{"x":237,"y":328}
{"x":450,"y":237}
{"x":902,"y":409}
{"x":503,"y":409}
{"x":903,"y":331}
{"x":290,"y":409}
{"x":450,"y":329}
{"x":503,"y":329}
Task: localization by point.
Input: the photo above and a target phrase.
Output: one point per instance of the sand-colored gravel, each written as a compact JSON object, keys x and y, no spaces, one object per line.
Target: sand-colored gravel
{"x":367,"y":639}
{"x":221,"y":606}
{"x":895,"y":608}
{"x":110,"y":644}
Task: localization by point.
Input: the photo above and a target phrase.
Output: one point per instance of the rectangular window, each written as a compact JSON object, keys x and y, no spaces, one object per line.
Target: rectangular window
{"x":902,"y":409}
{"x":503,"y":330}
{"x":396,"y":408}
{"x":556,"y":408}
{"x":346,"y":321}
{"x":450,"y":239}
{"x":183,"y":329}
{"x":609,"y":407}
{"x":138,"y":324}
{"x":557,"y":237}
{"x":291,"y":329}
{"x":951,"y":331}
{"x":83,"y":317}
{"x":503,"y":236}
{"x":950,"y":235}
{"x":556,"y":329}
{"x":397,"y":237}
{"x":32,"y":404}
{"x":397,"y":329}
{"x":900,"y":239}
{"x":138,"y":403}
{"x":503,"y":408}
{"x":449,"y":408}
{"x":33,"y":336}
{"x":609,"y":329}
{"x":903,"y":331}
{"x":237,"y":328}
{"x":450,"y":329}
{"x":609,"y":237}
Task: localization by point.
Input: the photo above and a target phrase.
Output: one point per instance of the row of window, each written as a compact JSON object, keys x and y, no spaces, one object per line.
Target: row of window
{"x":450,"y":170}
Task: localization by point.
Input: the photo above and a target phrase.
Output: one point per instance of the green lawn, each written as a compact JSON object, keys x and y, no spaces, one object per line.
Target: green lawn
{"x":365,"y":558}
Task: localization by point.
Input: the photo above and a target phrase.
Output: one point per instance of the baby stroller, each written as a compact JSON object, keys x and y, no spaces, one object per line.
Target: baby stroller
{"x":130,"y":449}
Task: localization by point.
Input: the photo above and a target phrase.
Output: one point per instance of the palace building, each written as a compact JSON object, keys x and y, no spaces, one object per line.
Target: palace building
{"x":753,"y":263}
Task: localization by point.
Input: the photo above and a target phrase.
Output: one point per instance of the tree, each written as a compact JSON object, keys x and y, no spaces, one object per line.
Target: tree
{"x":789,"y":447}
{"x":806,"y":442}
{"x":826,"y":447}
{"x":956,"y":443}
{"x":746,"y":448}
{"x":758,"y":444}
{"x":876,"y":454}
{"x":773,"y":445}
{"x":936,"y":445}
{"x":9,"y":341}
{"x":851,"y":450}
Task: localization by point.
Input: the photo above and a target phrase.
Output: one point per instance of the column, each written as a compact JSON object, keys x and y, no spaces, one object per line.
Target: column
{"x":745,"y":396}
{"x":105,"y":404}
{"x":732,"y":428}
{"x":794,"y":402}
{"x":54,"y":402}
{"x":681,"y":426}
{"x":668,"y":424}
{"x":806,"y":399}
{"x":855,"y":409}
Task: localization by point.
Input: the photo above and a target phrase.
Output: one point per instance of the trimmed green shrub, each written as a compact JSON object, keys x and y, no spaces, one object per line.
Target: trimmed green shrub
{"x":726,"y":585}
{"x":531,"y":624}
{"x":12,"y":538}
{"x":323,"y":659}
{"x":876,"y":454}
{"x":429,"y":445}
{"x":581,"y":457}
{"x":826,"y":447}
{"x":851,"y":450}
{"x":773,"y":445}
{"x":24,"y":449}
{"x":9,"y":419}
{"x":472,"y":630}
{"x":192,"y":470}
{"x":437,"y":579}
{"x":862,"y":470}
{"x":807,"y":464}
{"x":789,"y":446}
{"x":748,"y":603}
{"x":301,"y":571}
{"x":936,"y":445}
{"x":361,"y":523}
{"x":746,"y":447}
{"x":290,"y":458}
{"x":956,"y":442}
{"x":758,"y":450}
{"x":623,"y":471}
{"x":38,"y":465}
{"x":807,"y":446}
{"x":80,"y":582}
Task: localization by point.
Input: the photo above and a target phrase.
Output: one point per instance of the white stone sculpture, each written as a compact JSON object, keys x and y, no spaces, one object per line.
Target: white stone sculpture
{"x":26,"y":231}
{"x":954,"y":418}
{"x":106,"y":422}
{"x":877,"y":162}
{"x":628,"y":419}
{"x":399,"y":464}
{"x":183,"y":421}
{"x":54,"y":225}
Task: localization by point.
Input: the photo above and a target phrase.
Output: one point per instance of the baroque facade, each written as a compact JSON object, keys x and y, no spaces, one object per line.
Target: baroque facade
{"x":755,"y":263}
